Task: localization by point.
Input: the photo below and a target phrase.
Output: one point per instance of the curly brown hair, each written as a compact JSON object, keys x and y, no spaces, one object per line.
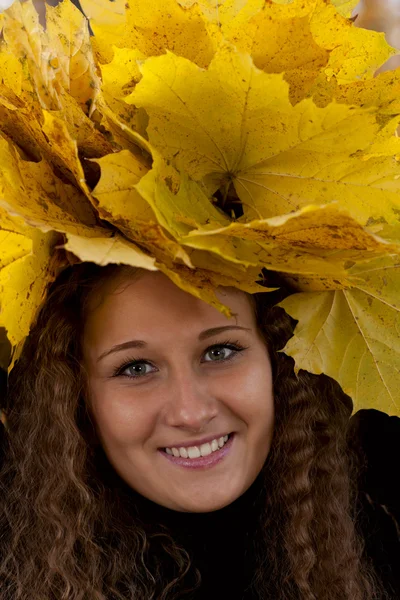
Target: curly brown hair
{"x":68,"y":528}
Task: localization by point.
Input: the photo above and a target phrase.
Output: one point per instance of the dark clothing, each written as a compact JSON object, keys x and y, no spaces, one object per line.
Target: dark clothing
{"x":218,"y":542}
{"x":377,"y":436}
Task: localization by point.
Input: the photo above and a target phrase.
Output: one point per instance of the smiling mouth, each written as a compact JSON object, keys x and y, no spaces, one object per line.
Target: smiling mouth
{"x":196,"y":451}
{"x":197,"y":461}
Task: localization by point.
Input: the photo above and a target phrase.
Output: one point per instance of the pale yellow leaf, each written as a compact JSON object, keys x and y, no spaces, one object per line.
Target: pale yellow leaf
{"x":353,"y":335}
{"x":106,"y":250}
{"x":69,"y":38}
{"x":345,"y":7}
{"x":54,"y":60}
{"x":104,"y":12}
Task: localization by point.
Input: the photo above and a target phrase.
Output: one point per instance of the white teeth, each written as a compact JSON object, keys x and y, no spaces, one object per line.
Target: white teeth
{"x":183,"y":452}
{"x":205,"y":449}
{"x":196,"y":451}
{"x":214,"y":445}
{"x":193,"y":452}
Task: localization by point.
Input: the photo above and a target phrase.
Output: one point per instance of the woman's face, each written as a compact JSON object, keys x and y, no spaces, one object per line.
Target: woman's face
{"x":180,"y":393}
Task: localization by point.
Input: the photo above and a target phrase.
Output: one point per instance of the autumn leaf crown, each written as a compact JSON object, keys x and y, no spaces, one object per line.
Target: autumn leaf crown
{"x":212,"y":142}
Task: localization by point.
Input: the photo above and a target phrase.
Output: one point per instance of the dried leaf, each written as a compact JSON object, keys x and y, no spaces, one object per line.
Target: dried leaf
{"x":56,"y":59}
{"x":313,"y":246}
{"x":32,"y":191}
{"x":106,"y":250}
{"x":352,"y":335}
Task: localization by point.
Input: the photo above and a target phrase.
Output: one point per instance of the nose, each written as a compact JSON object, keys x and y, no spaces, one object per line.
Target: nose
{"x":190,"y":405}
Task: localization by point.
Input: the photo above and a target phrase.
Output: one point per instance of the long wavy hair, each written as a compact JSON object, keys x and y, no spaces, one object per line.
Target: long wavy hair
{"x":68,"y":530}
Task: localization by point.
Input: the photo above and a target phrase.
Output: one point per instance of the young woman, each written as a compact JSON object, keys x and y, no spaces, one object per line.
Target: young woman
{"x":123,"y":382}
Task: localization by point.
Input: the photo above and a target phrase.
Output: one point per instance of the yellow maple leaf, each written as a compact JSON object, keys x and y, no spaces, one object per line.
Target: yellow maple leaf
{"x":32,"y":191}
{"x":280,"y":39}
{"x":22,"y":121}
{"x":235,"y":125}
{"x":225,"y":10}
{"x":303,"y":38}
{"x":26,"y":269}
{"x":177,"y":201}
{"x":120,"y":203}
{"x":382,"y":92}
{"x":151,"y":28}
{"x":119,"y":78}
{"x":315,"y":245}
{"x":352,"y":335}
{"x":104,"y":13}
{"x":166,"y":204}
{"x":25,"y":122}
{"x":120,"y":127}
{"x":106,"y":250}
{"x":10,"y":70}
{"x":50,"y":138}
{"x":25,"y":40}
{"x":52,"y":69}
{"x":345,"y":7}
{"x":309,"y":41}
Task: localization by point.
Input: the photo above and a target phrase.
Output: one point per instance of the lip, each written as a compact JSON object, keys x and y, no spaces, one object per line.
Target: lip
{"x":204,"y":462}
{"x":210,"y":438}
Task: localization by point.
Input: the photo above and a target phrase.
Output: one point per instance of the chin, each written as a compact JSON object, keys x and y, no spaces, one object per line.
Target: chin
{"x":206,"y":506}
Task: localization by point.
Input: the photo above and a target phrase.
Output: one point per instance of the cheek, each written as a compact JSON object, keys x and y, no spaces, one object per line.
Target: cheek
{"x":120,"y":418}
{"x":254,"y":405}
{"x":253,"y":389}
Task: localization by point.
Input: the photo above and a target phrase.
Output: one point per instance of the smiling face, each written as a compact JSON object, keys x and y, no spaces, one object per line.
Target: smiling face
{"x":181,"y":392}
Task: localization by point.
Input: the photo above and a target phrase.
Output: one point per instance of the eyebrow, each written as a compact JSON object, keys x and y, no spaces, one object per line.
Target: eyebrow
{"x":142,"y":344}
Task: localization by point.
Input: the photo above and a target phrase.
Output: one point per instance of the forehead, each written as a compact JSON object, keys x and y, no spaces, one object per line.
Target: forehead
{"x":152,"y":303}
